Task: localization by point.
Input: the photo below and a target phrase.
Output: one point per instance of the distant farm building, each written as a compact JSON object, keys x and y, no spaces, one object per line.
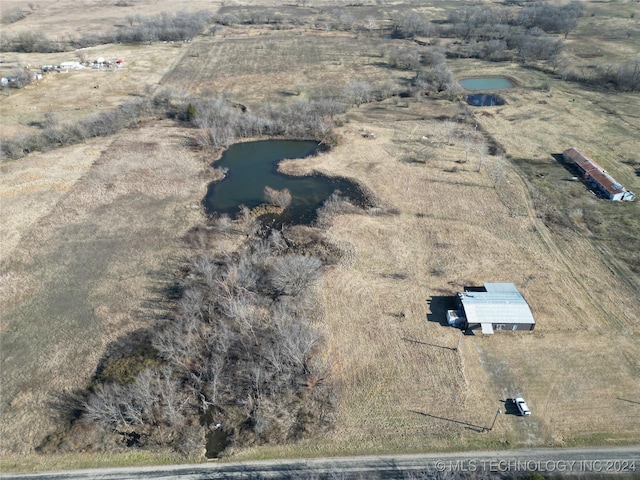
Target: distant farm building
{"x":596,"y":176}
{"x":70,"y":66}
{"x":496,"y":306}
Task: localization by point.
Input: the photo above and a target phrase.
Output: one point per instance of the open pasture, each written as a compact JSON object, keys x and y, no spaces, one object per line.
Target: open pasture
{"x":271,"y":66}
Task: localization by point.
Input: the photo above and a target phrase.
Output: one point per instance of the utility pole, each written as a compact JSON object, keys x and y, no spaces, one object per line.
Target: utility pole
{"x":495,"y":418}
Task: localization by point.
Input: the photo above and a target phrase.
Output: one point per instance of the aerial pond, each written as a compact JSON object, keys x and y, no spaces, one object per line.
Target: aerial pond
{"x":485,"y":83}
{"x":254,"y":165}
{"x":484,"y":100}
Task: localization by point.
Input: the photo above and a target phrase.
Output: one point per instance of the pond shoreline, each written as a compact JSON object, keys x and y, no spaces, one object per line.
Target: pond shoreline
{"x":251,"y":166}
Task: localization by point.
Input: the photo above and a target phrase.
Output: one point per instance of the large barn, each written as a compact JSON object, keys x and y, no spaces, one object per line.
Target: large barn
{"x":496,"y":306}
{"x":596,"y":176}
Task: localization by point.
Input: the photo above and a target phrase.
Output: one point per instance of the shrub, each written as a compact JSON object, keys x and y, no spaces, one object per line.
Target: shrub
{"x":293,"y":274}
{"x":280,"y":198}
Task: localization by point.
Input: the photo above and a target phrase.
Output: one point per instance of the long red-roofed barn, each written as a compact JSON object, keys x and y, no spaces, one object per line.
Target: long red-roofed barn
{"x":596,"y":176}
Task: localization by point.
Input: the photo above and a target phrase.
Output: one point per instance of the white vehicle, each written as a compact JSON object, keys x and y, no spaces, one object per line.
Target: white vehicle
{"x":522,"y":406}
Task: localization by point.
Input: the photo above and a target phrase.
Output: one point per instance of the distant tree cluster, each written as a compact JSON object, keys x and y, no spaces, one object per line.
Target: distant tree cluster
{"x":240,"y":351}
{"x":30,"y":42}
{"x":327,"y":19}
{"x":13,"y":15}
{"x":55,"y":133}
{"x":410,"y":25}
{"x":622,"y":76}
{"x":499,"y":33}
{"x":220,"y":122}
{"x":167,"y":27}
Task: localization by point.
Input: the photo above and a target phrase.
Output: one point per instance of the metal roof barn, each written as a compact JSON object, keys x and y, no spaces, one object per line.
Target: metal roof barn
{"x":500,"y":307}
{"x":597,"y":175}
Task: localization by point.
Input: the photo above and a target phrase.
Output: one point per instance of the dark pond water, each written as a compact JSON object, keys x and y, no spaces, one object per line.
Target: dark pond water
{"x":485,"y":83}
{"x":484,"y":100}
{"x":254,"y":165}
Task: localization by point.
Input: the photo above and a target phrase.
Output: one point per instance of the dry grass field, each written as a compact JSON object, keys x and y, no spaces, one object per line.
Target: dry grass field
{"x":261,"y":65}
{"x":90,"y":268}
{"x":62,"y":18}
{"x":92,"y":233}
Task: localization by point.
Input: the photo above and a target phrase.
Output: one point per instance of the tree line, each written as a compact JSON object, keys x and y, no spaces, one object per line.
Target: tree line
{"x":176,"y":27}
{"x":54,"y":132}
{"x":219,"y":122}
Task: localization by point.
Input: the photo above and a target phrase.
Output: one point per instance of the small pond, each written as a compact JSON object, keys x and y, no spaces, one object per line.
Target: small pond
{"x":485,"y":83}
{"x":484,"y":100}
{"x":254,"y":165}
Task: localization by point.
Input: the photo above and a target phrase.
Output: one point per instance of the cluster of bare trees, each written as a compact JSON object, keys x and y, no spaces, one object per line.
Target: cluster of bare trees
{"x":57,"y":133}
{"x":164,"y":27}
{"x":434,"y":75}
{"x":220,"y":122}
{"x":503,"y":33}
{"x":29,"y":42}
{"x":13,"y":15}
{"x":240,"y":349}
{"x":500,"y":22}
{"x":180,"y":26}
{"x":622,"y":76}
{"x":328,"y":19}
{"x":410,"y":25}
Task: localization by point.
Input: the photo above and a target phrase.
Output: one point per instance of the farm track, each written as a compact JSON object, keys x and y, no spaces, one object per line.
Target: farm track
{"x":561,"y":257}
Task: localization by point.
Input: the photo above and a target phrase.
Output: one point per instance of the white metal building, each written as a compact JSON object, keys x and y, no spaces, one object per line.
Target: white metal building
{"x":499,"y":307}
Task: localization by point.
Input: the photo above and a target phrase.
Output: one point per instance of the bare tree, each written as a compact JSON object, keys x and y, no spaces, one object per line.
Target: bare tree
{"x":280,"y":198}
{"x":370,"y":24}
{"x":358,"y":92}
{"x":292,"y":274}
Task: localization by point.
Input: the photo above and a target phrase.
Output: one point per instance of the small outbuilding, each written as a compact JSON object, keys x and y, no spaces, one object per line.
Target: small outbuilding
{"x":496,"y":306}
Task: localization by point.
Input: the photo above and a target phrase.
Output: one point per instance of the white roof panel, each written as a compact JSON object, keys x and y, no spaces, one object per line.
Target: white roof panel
{"x":497,"y":306}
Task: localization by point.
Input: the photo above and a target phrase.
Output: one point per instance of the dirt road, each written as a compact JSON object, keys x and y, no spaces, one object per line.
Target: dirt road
{"x":590,"y":462}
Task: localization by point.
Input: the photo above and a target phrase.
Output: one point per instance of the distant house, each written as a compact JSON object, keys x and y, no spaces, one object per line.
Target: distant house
{"x":596,"y":176}
{"x":71,"y":66}
{"x":496,"y":306}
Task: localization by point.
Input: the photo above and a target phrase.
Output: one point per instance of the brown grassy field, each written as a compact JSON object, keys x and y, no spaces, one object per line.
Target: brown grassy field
{"x":61,"y":18}
{"x":93,"y":232}
{"x":91,"y":268}
{"x":263,"y":65}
